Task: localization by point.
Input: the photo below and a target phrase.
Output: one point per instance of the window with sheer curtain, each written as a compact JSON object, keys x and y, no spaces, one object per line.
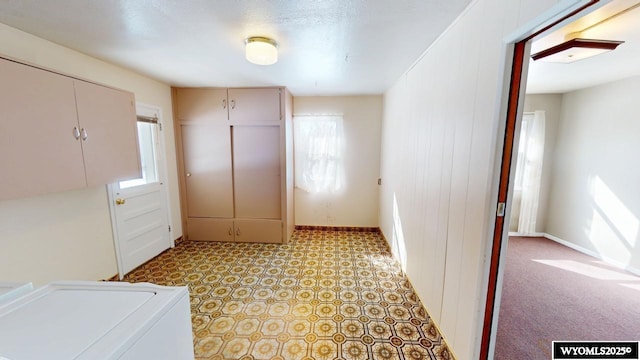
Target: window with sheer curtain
{"x":529,"y":169}
{"x":318,"y":149}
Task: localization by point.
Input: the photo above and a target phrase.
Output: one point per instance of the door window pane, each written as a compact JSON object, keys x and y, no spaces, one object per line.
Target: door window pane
{"x":148,"y":141}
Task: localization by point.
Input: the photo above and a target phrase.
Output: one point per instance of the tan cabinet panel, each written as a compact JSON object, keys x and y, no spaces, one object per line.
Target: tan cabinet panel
{"x":263,"y":231}
{"x":210,"y":229}
{"x":206,"y":151}
{"x":256,"y":168}
{"x":202,"y":105}
{"x":107,"y":120}
{"x":254,"y":105}
{"x":38,"y":151}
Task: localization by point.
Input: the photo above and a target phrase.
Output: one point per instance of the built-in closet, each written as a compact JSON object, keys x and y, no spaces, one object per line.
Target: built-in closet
{"x":235,"y":160}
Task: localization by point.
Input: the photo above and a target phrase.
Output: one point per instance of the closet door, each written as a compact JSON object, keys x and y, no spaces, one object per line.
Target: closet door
{"x":109,"y":133}
{"x":256,"y":166}
{"x":39,"y":152}
{"x":206,"y":149}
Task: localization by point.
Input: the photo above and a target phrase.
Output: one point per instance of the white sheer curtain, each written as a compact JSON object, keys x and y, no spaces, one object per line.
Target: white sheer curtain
{"x":533,"y":154}
{"x":318,"y":148}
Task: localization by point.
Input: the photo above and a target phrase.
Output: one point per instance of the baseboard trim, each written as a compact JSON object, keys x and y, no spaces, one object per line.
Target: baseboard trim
{"x":536,"y":234}
{"x":594,"y":254}
{"x":339,"y":228}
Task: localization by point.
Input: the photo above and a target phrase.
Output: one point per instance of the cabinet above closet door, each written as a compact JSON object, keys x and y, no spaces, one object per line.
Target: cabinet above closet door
{"x":206,"y":150}
{"x":108,"y":132}
{"x":254,"y":105}
{"x":39,"y":152}
{"x":202,"y":105}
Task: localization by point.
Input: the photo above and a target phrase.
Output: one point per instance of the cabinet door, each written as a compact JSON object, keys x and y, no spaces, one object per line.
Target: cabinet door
{"x":38,"y":151}
{"x":107,"y":119}
{"x":202,"y":105}
{"x":263,"y":231}
{"x":256,"y":168}
{"x":206,"y":150}
{"x":254,"y":105}
{"x":210,"y":229}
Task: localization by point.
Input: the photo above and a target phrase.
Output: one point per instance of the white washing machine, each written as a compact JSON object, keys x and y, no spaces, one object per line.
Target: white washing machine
{"x":97,"y":320}
{"x":12,"y":290}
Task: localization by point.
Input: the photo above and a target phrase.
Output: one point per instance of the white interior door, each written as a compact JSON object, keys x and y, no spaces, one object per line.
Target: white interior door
{"x":139,"y":207}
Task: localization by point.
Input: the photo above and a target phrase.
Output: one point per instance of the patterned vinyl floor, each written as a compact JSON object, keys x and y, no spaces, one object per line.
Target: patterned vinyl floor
{"x":325,"y":295}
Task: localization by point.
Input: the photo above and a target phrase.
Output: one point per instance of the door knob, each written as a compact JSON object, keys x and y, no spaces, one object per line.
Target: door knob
{"x":188,"y":174}
{"x":120,"y":201}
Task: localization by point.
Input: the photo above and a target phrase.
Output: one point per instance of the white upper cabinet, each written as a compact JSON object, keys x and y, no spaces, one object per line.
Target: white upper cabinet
{"x":58,"y":133}
{"x":39,"y":147}
{"x":107,"y":120}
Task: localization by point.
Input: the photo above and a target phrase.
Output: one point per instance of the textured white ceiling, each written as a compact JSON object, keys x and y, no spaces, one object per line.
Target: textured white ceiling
{"x":327,"y":47}
{"x":545,"y":77}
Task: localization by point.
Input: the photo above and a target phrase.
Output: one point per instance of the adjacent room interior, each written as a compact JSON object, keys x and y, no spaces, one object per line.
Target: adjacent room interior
{"x":332,"y":196}
{"x":572,"y":270}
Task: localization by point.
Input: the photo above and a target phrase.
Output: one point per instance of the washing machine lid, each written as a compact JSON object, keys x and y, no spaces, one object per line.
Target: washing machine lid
{"x":12,"y":290}
{"x":67,"y":320}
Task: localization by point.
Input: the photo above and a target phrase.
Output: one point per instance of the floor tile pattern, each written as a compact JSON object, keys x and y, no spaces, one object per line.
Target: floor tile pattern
{"x":325,"y":295}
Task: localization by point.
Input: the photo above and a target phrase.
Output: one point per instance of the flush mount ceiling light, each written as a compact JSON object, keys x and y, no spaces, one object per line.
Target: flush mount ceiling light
{"x":576,"y":46}
{"x":575,"y":49}
{"x":261,"y":50}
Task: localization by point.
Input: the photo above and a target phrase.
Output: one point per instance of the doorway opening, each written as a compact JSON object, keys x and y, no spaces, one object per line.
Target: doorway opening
{"x":605,"y":224}
{"x":587,"y":221}
{"x":514,"y":111}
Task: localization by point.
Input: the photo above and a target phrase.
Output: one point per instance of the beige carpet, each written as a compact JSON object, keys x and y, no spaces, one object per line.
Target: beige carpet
{"x":552,"y":292}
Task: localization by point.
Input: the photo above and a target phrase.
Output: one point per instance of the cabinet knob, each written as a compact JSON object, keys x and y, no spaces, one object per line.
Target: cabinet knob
{"x":76,"y":132}
{"x":84,"y":134}
{"x":120,"y":201}
{"x":238,"y":232}
{"x":224,"y":103}
{"x":188,"y":174}
{"x":230,"y":232}
{"x":233,"y":104}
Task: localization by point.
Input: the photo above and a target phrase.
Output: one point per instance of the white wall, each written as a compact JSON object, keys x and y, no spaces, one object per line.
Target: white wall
{"x":357,"y":203}
{"x":439,"y":142}
{"x":551,"y":104}
{"x":595,"y":202}
{"x":68,"y":235}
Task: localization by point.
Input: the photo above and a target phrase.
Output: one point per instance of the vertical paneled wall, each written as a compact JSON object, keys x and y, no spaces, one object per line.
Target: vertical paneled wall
{"x":439,"y":137}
